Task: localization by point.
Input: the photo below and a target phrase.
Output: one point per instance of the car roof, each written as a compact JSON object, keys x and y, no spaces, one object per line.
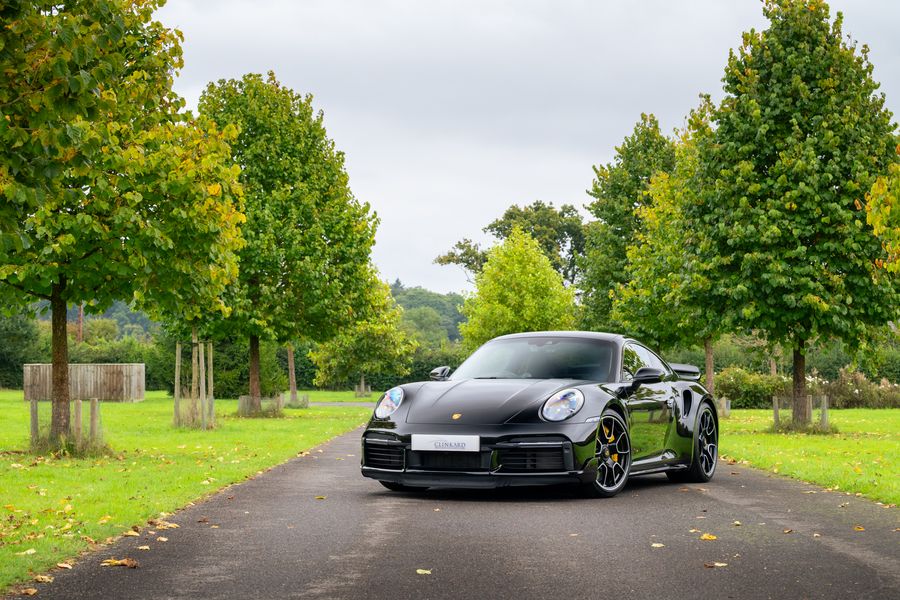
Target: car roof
{"x":595,"y":335}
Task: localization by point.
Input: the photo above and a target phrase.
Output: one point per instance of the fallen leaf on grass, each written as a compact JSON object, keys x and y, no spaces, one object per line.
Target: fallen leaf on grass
{"x":321,"y":497}
{"x":29,"y":591}
{"x":64,"y":565}
{"x":708,"y":537}
{"x":28,"y":552}
{"x":143,"y":547}
{"x":120,"y":562}
{"x":713,"y":565}
{"x":423,"y":571}
{"x":131,"y":533}
{"x":788,"y":531}
{"x":43,"y":578}
{"x":858,"y":528}
{"x":657,"y":545}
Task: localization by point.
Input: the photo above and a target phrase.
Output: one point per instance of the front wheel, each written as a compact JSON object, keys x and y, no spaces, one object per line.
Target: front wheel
{"x":706,"y":450}
{"x":613,"y":455}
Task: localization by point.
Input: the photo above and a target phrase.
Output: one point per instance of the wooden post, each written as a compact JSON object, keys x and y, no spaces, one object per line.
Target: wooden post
{"x":202,"y":385}
{"x":177,"y":419}
{"x":35,"y":432}
{"x":95,"y":422}
{"x":823,"y":415}
{"x":210,"y":396}
{"x":78,"y":432}
{"x":195,"y":384}
{"x":775,"y":410}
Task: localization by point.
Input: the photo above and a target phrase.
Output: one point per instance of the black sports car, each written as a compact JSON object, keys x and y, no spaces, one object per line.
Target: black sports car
{"x":545,"y":408}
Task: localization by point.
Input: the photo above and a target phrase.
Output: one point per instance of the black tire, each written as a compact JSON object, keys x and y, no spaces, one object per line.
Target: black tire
{"x":613,"y":455}
{"x":399,"y":487}
{"x":706,"y":450}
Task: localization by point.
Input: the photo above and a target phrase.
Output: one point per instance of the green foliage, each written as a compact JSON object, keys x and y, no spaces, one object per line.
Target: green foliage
{"x":619,"y":189}
{"x":883,"y":214}
{"x":423,"y":324}
{"x":305,"y":267}
{"x":447,"y":305}
{"x":799,"y":138}
{"x":749,"y":390}
{"x":376,"y":344}
{"x":559,"y":232}
{"x":18,"y":345}
{"x":518,"y":290}
{"x":852,"y":389}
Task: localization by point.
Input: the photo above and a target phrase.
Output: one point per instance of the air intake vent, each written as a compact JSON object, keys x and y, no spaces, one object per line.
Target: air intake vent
{"x":383,"y":456}
{"x":522,"y":460}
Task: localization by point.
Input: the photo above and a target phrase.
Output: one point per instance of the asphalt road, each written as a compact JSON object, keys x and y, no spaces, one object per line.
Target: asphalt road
{"x":271,"y":538}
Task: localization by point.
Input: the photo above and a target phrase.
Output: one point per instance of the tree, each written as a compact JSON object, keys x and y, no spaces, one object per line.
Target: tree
{"x":559,"y":232}
{"x":799,"y":138}
{"x":305,"y":268}
{"x":666,"y":299}
{"x":447,"y":305}
{"x":423,"y":324}
{"x":375,"y":344}
{"x":518,"y":290}
{"x":115,"y":192}
{"x":619,"y":189}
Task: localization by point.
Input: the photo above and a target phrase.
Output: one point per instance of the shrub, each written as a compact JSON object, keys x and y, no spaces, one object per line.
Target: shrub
{"x":749,"y":390}
{"x":852,"y":389}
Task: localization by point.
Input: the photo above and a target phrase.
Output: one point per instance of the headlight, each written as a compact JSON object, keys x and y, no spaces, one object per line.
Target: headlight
{"x":562,"y":405}
{"x":389,"y":403}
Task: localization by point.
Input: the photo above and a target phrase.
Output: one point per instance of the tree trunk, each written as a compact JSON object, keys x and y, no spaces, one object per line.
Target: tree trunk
{"x":710,"y":367}
{"x":59,"y":421}
{"x":773,"y":367}
{"x":255,"y":405}
{"x":202,"y":378}
{"x":211,"y":396}
{"x":292,"y":374}
{"x":177,"y":393}
{"x":195,"y":382}
{"x":801,"y":411}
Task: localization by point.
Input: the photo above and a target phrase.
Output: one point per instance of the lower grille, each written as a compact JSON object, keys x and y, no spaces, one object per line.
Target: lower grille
{"x":450,"y":461}
{"x":383,"y":456}
{"x":529,"y":459}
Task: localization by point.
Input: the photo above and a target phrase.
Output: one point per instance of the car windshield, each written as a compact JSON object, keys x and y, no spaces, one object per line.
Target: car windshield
{"x":540,"y":358}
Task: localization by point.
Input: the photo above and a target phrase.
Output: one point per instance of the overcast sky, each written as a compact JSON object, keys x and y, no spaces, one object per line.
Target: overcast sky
{"x":449,"y":112}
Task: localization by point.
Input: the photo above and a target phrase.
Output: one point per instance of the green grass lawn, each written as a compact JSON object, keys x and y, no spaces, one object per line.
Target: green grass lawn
{"x":330,"y":396}
{"x":52,"y":509}
{"x":864,"y":457}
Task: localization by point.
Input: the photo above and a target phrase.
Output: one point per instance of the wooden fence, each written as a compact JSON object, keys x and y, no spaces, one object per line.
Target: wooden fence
{"x":106,"y":382}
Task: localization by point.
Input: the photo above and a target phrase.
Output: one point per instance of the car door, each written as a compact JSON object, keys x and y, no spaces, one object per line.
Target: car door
{"x":649,"y":406}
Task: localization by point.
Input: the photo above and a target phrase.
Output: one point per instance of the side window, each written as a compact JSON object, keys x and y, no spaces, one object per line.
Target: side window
{"x":633,"y":358}
{"x":651,"y":360}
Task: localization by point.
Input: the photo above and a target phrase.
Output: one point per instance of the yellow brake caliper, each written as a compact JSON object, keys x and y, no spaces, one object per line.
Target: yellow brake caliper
{"x":610,"y":439}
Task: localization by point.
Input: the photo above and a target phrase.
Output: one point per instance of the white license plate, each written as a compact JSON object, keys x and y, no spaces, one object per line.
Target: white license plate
{"x":446,"y":443}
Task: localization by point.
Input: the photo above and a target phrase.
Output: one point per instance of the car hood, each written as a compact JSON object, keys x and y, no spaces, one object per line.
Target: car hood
{"x":479,"y":401}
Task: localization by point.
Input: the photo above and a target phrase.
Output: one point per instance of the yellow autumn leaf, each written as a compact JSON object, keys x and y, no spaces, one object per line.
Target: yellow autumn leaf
{"x":120,"y":562}
{"x":131,"y":533}
{"x":858,"y":528}
{"x":29,"y":591}
{"x":143,"y":547}
{"x":321,"y":497}
{"x":657,"y":545}
{"x":693,"y":531}
{"x":714,"y":565}
{"x":788,"y":531}
{"x":64,"y":565}
{"x":708,"y":537}
{"x":162,"y":539}
{"x":43,"y":578}
{"x":214,"y":189}
{"x":736,"y":523}
{"x":423,"y":571}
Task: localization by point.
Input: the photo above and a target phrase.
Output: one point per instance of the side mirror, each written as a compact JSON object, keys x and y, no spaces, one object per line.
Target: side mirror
{"x":646,"y":375}
{"x":440,"y":374}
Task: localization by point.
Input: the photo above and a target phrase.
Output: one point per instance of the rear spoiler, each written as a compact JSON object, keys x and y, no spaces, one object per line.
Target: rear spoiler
{"x":689,"y":372}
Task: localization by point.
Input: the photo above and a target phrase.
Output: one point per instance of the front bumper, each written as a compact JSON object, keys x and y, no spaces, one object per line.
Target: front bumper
{"x":519,"y":456}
